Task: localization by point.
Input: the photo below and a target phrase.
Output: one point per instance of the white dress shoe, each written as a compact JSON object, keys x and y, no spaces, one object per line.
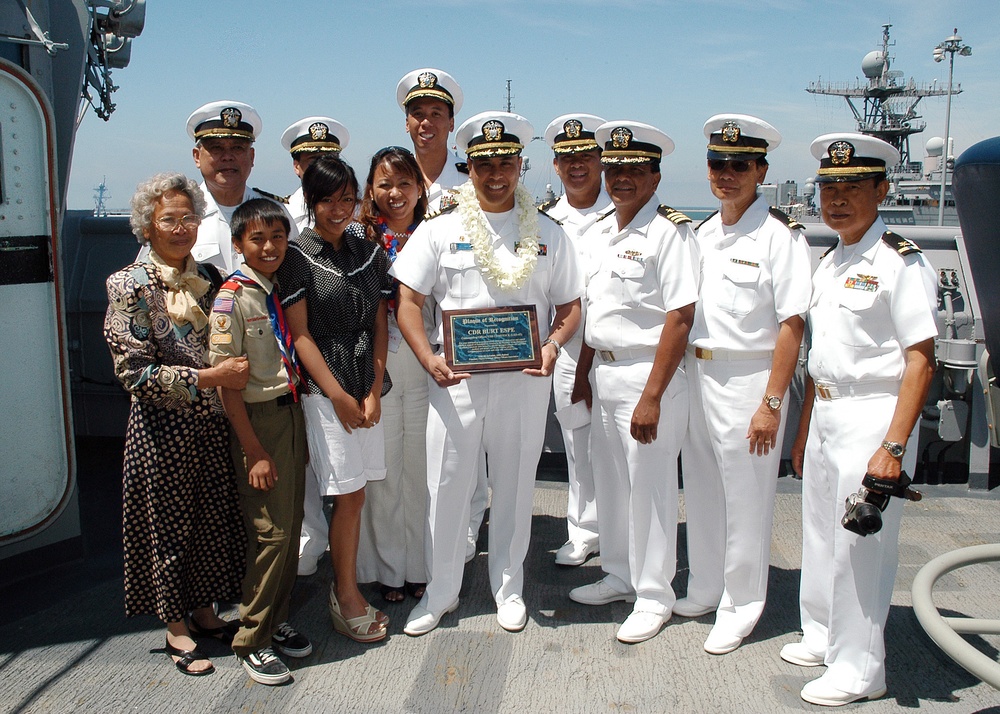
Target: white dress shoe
{"x":689,"y":608}
{"x":826,"y":695}
{"x":308,"y":565}
{"x":640,"y":626}
{"x":797,"y":653}
{"x":720,"y":642}
{"x":599,"y":593}
{"x":575,"y":552}
{"x":470,"y":549}
{"x":421,"y":620}
{"x":512,"y":614}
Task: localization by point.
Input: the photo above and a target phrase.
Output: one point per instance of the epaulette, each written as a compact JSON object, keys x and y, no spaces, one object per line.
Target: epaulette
{"x":462,"y":167}
{"x":828,"y":251}
{"x":672,"y":215}
{"x":786,"y":219}
{"x":707,"y":219}
{"x":899,"y":244}
{"x":605,"y":214}
{"x":441,"y":211}
{"x":554,"y":220}
{"x":273,"y":196}
{"x":548,"y":204}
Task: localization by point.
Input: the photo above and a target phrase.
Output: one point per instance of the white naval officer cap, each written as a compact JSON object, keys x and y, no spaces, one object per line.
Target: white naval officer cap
{"x":572,"y":133}
{"x":429,"y":82}
{"x":314,"y":135}
{"x":227,"y":119}
{"x":733,"y":137}
{"x":630,"y":142}
{"x":493,"y":133}
{"x":852,"y":157}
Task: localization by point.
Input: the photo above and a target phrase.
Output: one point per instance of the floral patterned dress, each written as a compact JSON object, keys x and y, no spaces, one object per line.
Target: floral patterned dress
{"x":183,"y":535}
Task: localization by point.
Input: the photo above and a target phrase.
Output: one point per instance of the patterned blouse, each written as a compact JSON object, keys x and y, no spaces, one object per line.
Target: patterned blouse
{"x":155,"y":360}
{"x":343,"y":289}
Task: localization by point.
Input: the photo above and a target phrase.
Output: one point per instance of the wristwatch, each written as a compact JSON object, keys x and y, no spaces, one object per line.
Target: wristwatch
{"x":550,"y":341}
{"x":895,"y":449}
{"x":773,"y":403}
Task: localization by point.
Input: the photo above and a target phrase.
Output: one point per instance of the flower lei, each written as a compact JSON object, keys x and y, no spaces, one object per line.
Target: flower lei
{"x":390,"y":241}
{"x":478,"y":232}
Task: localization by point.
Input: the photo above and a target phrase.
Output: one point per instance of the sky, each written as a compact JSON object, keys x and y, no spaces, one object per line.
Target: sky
{"x":669,"y":64}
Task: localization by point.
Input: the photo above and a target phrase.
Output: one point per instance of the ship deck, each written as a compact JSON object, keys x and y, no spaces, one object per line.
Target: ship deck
{"x":66,"y":646}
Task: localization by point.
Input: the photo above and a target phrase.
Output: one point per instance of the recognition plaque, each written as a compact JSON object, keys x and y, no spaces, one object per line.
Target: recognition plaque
{"x":492,"y":339}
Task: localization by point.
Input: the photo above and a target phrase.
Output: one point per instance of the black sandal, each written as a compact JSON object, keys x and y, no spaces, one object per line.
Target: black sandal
{"x":225,"y":633}
{"x":187,"y":658}
{"x":387,"y":590}
{"x":416,"y":589}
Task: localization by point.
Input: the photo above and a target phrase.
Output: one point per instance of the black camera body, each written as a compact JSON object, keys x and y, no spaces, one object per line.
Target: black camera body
{"x":864,"y":508}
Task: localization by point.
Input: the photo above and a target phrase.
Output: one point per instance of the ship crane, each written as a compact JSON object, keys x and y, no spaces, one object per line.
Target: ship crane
{"x":889,"y":104}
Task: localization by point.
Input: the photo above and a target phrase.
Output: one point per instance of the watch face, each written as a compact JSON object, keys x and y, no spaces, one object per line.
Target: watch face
{"x":895,"y":450}
{"x":774,"y":403}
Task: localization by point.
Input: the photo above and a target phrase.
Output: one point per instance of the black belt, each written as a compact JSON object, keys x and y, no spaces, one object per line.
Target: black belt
{"x":286,"y":400}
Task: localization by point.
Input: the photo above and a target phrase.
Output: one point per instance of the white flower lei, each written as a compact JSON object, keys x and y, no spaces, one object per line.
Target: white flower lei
{"x":478,"y":232}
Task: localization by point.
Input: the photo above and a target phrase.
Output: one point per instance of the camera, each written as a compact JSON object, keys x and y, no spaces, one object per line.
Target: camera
{"x":864,"y":508}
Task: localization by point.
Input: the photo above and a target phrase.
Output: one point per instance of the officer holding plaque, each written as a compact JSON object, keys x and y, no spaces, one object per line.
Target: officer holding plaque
{"x":492,"y":249}
{"x":641,"y":290}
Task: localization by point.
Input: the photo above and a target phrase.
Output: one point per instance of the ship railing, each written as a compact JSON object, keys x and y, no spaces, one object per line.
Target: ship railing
{"x":946,"y":631}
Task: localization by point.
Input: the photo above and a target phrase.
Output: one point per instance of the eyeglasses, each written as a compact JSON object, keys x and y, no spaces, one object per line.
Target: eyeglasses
{"x":170,"y":223}
{"x":740,"y":166}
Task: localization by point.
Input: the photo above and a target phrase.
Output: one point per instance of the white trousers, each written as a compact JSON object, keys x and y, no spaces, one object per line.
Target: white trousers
{"x":637,"y":483}
{"x":728,"y":492}
{"x":315,"y":538}
{"x":847,"y":579}
{"x":504,"y":414}
{"x":581,"y":507}
{"x":391,"y":547}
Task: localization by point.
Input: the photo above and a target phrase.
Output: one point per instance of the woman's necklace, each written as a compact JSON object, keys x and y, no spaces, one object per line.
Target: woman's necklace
{"x":477,"y":230}
{"x":390,"y":241}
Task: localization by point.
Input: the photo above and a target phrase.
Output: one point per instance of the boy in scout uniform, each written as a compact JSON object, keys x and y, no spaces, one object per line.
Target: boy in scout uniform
{"x":268,"y":440}
{"x":872,"y":318}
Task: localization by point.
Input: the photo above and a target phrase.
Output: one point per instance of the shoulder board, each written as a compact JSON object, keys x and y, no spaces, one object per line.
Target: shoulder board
{"x":441,"y":211}
{"x":548,"y":204}
{"x":554,"y":220}
{"x":707,"y":218}
{"x":672,"y":215}
{"x":462,"y":167}
{"x":899,"y":244}
{"x":605,"y":215}
{"x":786,"y":219}
{"x":828,"y":251}
{"x":273,"y":196}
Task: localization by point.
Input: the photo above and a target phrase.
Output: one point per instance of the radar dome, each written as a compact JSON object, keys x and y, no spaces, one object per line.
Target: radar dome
{"x":934,"y":146}
{"x":871,"y":65}
{"x":809,"y":189}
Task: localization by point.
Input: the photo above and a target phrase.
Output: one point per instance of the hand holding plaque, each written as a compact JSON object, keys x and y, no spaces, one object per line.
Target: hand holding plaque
{"x":496,"y":339}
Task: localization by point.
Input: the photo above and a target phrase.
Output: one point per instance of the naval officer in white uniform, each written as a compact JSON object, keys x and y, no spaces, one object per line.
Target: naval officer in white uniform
{"x":742,"y":352}
{"x":224,"y":133}
{"x":872,"y":323}
{"x":493,"y":248}
{"x":641,"y":290}
{"x":577,"y":162}
{"x":431,"y":98}
{"x":305,"y":140}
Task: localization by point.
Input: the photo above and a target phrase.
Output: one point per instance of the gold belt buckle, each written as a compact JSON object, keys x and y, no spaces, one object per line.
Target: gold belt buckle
{"x":607,"y":355}
{"x":702,"y":353}
{"x":824,"y":392}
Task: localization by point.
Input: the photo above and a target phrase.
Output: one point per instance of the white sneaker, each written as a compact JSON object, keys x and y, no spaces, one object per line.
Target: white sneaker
{"x":599,"y":593}
{"x":797,"y":653}
{"x":641,"y":626}
{"x":575,"y":552}
{"x":512,"y":614}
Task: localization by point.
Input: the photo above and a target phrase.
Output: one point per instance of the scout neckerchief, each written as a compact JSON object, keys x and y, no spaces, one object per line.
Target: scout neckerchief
{"x":278,"y":326}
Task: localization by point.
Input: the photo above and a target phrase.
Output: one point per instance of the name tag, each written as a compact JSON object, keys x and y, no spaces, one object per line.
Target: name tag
{"x":456,"y":247}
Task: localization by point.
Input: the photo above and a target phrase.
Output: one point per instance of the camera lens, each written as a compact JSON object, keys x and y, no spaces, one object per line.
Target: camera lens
{"x":869,"y":518}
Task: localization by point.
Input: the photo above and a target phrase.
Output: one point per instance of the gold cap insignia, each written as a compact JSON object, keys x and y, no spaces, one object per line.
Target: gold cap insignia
{"x":730,"y":132}
{"x":573,"y":127}
{"x":841,"y":153}
{"x":318,"y":131}
{"x":231,"y":117}
{"x":493,"y":130}
{"x":621,"y":137}
{"x":427,"y":80}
